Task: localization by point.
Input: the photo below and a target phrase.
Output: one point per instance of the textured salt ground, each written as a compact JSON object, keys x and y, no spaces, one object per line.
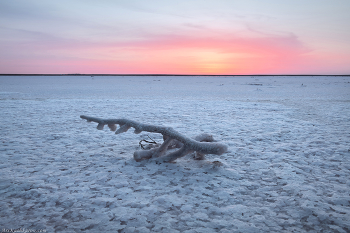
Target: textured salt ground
{"x":287,"y":168}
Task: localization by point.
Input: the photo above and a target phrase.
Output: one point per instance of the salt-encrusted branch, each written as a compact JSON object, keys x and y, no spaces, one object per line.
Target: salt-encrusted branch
{"x":203,"y":144}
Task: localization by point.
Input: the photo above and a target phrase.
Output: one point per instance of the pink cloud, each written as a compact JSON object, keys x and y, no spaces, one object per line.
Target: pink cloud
{"x":230,"y":44}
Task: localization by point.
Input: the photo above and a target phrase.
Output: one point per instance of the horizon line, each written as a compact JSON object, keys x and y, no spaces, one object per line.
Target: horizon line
{"x":79,"y":74}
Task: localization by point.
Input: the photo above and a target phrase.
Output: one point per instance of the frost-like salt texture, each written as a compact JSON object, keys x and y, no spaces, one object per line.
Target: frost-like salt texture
{"x":287,"y":168}
{"x":169,"y":134}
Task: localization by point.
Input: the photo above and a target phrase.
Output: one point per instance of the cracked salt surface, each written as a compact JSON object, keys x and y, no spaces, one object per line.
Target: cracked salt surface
{"x":287,"y":168}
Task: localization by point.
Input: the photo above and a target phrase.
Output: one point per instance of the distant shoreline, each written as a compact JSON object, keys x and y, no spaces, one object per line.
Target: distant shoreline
{"x":208,"y":75}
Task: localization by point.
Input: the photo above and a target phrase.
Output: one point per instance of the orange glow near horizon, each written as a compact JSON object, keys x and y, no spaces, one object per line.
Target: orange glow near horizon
{"x":177,"y":55}
{"x":167,"y":37}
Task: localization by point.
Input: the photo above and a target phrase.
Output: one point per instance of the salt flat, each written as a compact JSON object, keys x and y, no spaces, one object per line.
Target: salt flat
{"x":287,"y":168}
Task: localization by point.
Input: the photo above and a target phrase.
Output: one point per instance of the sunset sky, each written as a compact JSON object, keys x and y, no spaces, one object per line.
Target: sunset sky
{"x":175,"y":37}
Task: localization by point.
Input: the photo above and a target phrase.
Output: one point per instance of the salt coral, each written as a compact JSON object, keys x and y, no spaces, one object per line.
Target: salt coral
{"x":202,"y":144}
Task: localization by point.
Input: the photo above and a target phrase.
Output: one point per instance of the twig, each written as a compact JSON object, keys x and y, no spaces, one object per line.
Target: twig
{"x":150,"y":142}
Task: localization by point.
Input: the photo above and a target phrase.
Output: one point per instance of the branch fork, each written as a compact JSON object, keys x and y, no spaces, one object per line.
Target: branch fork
{"x":202,"y":144}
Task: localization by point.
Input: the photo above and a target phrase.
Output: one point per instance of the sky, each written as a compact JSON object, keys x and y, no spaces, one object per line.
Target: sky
{"x":221,"y":37}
